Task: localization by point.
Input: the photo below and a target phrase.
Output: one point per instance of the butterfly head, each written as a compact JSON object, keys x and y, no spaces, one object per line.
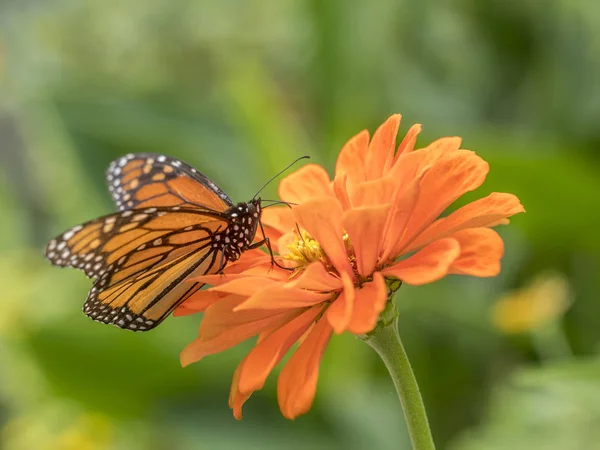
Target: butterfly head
{"x":244,"y":219}
{"x":246,"y":212}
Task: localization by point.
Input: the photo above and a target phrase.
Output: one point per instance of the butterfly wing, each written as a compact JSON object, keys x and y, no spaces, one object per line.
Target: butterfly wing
{"x":145,"y":180}
{"x":140,"y":260}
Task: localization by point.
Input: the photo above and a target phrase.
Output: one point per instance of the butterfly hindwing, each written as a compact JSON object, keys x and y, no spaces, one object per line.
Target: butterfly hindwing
{"x":145,"y":180}
{"x":139,"y":260}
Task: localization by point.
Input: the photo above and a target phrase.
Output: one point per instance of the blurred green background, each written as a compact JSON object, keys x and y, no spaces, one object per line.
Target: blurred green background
{"x":238,"y":89}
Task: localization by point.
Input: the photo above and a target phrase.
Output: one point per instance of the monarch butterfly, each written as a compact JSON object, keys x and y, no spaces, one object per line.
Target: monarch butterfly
{"x":172,"y":223}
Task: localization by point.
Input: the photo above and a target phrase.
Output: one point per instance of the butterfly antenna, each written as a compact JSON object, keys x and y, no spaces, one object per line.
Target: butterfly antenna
{"x":277,"y":202}
{"x":278,"y":174}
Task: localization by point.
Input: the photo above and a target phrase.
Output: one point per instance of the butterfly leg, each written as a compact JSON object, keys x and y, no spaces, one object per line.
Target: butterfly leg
{"x":222,"y":263}
{"x":266,"y":241}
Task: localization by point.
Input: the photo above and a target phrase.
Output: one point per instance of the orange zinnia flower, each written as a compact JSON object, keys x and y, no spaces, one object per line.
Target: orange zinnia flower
{"x":377,"y":221}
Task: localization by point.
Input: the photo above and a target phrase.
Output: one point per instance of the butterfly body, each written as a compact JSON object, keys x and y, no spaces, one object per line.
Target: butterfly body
{"x":238,"y":236}
{"x":173,"y":223}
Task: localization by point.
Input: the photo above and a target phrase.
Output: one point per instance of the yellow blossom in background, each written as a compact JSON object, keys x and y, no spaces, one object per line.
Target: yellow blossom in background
{"x":55,"y":427}
{"x":89,"y":432}
{"x":544,"y":300}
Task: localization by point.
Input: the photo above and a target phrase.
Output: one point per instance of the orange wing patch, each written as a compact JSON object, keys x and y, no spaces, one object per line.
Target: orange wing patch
{"x":145,"y":180}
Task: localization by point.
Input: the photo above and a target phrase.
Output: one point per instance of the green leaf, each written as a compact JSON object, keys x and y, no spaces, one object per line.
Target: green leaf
{"x":553,"y":407}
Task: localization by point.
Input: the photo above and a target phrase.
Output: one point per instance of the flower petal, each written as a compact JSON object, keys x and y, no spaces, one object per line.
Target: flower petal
{"x":283,"y":248}
{"x":395,"y":230}
{"x":260,"y":271}
{"x":408,"y":143}
{"x":222,"y":327}
{"x":369,"y":303}
{"x":282,"y":296}
{"x":198,"y":302}
{"x":297,"y":383}
{"x":480,"y":252}
{"x":340,"y":311}
{"x":322,"y":218}
{"x":365,"y":227}
{"x":430,"y":264}
{"x":249,"y":260}
{"x":278,"y":221}
{"x":452,"y":176}
{"x":485,"y":212}
{"x":374,"y":192}
{"x":446,"y":145}
{"x":308,"y":182}
{"x":381,"y":149}
{"x":240,"y":285}
{"x":236,"y":398}
{"x":351,"y":159}
{"x":409,"y":165}
{"x":316,"y":278}
{"x":340,"y":188}
{"x":271,"y":349}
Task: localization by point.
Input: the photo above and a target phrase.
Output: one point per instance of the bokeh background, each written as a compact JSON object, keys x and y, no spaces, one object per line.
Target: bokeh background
{"x":239,"y":89}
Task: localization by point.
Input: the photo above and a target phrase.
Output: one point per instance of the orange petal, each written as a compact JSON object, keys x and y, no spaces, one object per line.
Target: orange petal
{"x":409,"y":165}
{"x":322,"y":218}
{"x":374,"y":192}
{"x":365,"y":227}
{"x":271,"y":349}
{"x":480,"y":252}
{"x":408,"y":143}
{"x":249,"y":259}
{"x":282,"y":296}
{"x":297,"y":383}
{"x":398,"y":217}
{"x":236,"y":398}
{"x":284,"y":242}
{"x":316,"y":278}
{"x":450,"y":177}
{"x":266,"y":270}
{"x":221,"y":316}
{"x":340,"y":311}
{"x":242,"y":285}
{"x":351,"y":159}
{"x":198,"y":302}
{"x":369,"y":303}
{"x":340,"y":188}
{"x":222,"y":328}
{"x":381,"y":149}
{"x":430,"y":264}
{"x":446,"y":145}
{"x":485,"y":212}
{"x":279,"y":220}
{"x":311,"y":181}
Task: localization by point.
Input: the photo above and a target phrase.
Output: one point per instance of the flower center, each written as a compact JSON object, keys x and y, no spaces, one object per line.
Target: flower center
{"x":305,"y":249}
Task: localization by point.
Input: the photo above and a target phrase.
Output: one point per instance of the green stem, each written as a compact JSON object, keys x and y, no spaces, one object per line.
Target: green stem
{"x":385,"y":339}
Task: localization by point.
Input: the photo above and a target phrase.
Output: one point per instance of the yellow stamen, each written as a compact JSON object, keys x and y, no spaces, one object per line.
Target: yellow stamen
{"x":305,"y":249}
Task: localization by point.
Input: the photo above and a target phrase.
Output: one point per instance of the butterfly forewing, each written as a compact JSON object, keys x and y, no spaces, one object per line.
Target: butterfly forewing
{"x":145,"y":179}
